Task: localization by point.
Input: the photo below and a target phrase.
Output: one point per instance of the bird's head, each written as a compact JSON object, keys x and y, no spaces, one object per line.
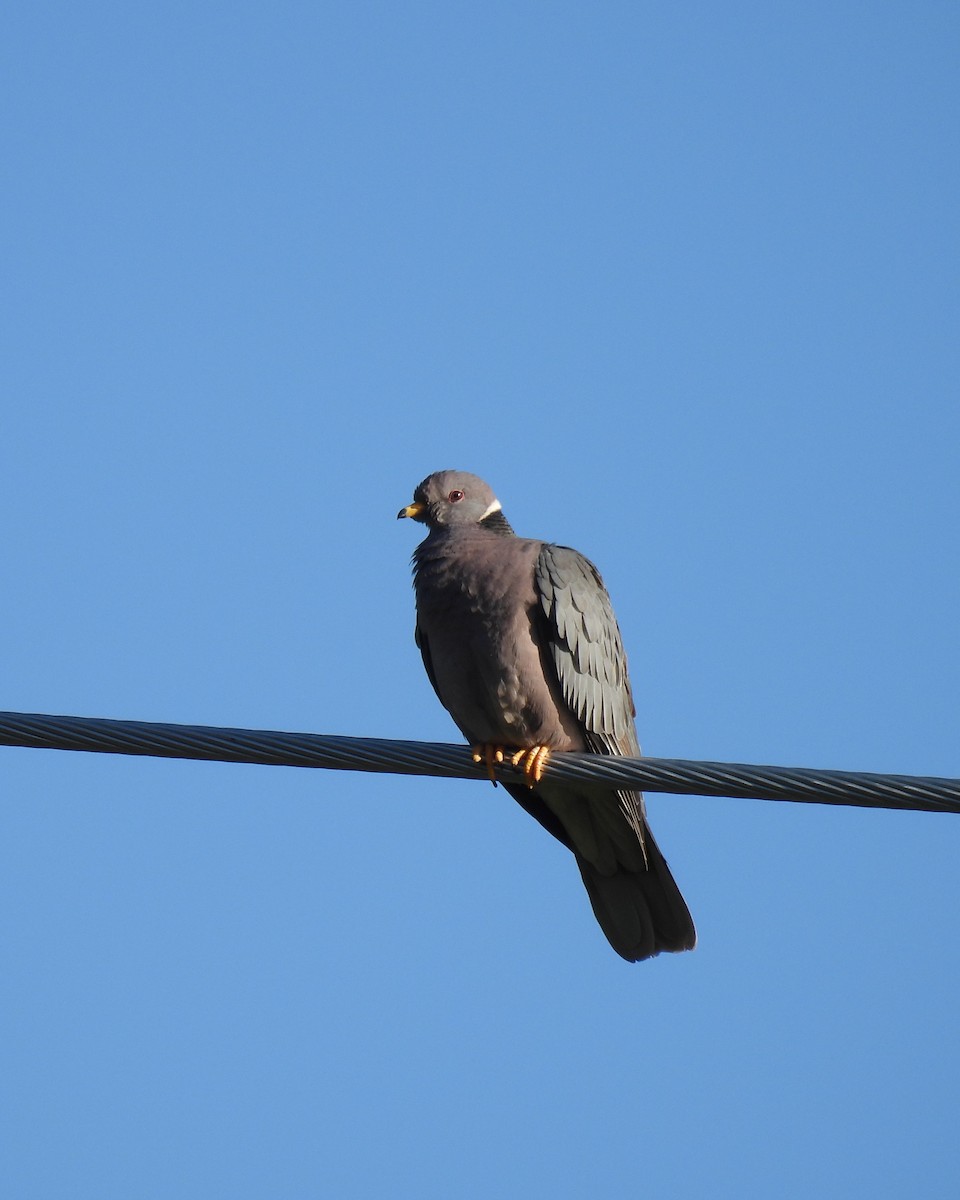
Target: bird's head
{"x":453,"y":498}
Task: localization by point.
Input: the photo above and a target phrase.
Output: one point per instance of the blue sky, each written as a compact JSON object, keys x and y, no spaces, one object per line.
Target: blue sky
{"x":681,"y":282}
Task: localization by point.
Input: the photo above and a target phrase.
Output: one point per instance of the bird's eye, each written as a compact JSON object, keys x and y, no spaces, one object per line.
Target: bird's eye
{"x":455,"y":496}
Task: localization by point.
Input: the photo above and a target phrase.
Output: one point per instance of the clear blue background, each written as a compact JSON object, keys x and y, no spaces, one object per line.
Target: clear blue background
{"x":682,"y":282}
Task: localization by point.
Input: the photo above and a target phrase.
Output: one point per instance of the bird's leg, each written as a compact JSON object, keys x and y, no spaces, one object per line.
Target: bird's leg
{"x":531,"y":762}
{"x":492,"y":755}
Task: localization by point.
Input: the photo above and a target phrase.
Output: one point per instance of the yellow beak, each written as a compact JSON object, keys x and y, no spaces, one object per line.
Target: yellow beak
{"x":412,"y":510}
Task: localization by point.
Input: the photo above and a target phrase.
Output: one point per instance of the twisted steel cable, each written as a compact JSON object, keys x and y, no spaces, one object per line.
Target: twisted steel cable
{"x":678,"y":776}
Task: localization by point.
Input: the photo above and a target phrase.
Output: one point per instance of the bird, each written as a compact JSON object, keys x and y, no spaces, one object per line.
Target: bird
{"x":521,"y":645}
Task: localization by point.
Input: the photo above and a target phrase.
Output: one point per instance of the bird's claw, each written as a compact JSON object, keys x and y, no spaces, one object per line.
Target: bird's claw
{"x":490,"y":755}
{"x":529,"y":761}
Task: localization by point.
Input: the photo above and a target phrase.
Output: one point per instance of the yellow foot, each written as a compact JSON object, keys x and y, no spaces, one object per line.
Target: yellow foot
{"x":491,"y":755}
{"x":532,"y":762}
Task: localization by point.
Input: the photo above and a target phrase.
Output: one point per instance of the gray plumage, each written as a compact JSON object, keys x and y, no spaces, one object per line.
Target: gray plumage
{"x":522,"y":647}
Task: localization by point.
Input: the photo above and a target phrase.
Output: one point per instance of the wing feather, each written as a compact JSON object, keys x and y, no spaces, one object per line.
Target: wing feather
{"x":586,"y":648}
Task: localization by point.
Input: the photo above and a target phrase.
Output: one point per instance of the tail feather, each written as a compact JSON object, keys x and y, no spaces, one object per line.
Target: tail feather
{"x":634,"y":896}
{"x":641,"y":912}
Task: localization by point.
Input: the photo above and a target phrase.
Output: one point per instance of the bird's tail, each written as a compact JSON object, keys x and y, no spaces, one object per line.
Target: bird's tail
{"x":642,"y":912}
{"x":635,"y":898}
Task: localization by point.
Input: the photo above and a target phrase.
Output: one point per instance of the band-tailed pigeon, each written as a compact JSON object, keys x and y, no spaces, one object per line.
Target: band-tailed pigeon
{"x":521,"y":645}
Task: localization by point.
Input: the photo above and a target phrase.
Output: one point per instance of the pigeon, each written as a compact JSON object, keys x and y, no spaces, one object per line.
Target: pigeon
{"x":522,"y":647}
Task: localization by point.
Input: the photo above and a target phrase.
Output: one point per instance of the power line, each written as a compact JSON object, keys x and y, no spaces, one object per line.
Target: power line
{"x":679,"y":776}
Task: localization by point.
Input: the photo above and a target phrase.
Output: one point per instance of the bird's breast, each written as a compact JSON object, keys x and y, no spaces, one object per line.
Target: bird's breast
{"x":482,"y":628}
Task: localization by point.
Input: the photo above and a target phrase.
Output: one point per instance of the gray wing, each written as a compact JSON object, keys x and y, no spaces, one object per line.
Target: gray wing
{"x":634,"y":896}
{"x":424,"y":647}
{"x":586,"y":649}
